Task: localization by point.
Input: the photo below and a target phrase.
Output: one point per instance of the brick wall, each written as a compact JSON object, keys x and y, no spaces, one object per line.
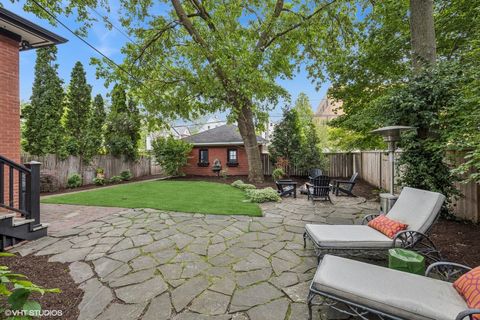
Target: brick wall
{"x":9,"y":101}
{"x":219,"y":153}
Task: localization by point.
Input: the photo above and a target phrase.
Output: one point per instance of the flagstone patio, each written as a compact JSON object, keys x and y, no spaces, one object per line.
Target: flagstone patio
{"x":148,"y":264}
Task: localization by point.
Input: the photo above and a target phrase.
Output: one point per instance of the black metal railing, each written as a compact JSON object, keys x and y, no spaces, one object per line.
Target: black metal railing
{"x":26,"y":200}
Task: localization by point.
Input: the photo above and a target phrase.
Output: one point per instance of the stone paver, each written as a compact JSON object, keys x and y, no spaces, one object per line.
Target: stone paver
{"x":149,"y":264}
{"x":80,"y":271}
{"x":160,"y":308}
{"x":137,"y":293}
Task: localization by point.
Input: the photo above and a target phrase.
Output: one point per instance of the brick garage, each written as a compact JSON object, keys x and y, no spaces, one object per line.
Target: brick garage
{"x":223,"y":143}
{"x":217,"y":152}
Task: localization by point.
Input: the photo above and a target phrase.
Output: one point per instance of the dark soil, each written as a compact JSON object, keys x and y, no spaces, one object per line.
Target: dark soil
{"x":458,"y":241}
{"x":49,"y":275}
{"x":93,"y":186}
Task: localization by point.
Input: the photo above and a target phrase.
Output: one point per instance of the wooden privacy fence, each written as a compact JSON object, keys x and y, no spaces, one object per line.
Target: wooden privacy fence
{"x":61,"y":169}
{"x":374,"y":168}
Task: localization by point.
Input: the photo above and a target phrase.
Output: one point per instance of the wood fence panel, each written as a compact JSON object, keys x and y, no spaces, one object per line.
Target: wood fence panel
{"x":468,"y":206}
{"x":61,"y":169}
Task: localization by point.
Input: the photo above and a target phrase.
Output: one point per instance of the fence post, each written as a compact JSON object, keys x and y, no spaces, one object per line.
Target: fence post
{"x":33,"y":192}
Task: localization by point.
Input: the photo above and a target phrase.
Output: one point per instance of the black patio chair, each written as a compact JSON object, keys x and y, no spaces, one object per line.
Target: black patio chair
{"x":285,"y":190}
{"x":313,"y":173}
{"x":345,"y":186}
{"x":319,"y":188}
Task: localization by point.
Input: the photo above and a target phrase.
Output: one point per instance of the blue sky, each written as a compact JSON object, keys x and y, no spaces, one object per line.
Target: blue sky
{"x":110,"y":42}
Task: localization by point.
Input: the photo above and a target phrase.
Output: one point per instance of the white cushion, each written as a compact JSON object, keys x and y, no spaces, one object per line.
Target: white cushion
{"x":347,"y":236}
{"x":398,"y":293}
{"x":417,"y":208}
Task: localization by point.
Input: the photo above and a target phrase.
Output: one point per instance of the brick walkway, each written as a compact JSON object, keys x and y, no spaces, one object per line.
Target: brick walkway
{"x":149,"y":264}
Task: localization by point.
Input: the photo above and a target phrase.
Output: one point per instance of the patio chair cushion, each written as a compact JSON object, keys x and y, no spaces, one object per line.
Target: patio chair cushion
{"x":387,"y":226}
{"x":405,"y":295}
{"x":347,"y":236}
{"x":468,"y":285}
{"x":417,"y":208}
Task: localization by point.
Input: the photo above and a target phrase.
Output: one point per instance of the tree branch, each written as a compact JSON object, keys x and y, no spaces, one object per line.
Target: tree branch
{"x":202,"y":12}
{"x":297,"y":25}
{"x":264,"y":35}
{"x":157,"y":36}
{"x":182,"y":15}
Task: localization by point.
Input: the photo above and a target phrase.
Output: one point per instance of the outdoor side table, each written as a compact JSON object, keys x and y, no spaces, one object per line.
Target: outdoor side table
{"x":289,"y":183}
{"x":406,"y":260}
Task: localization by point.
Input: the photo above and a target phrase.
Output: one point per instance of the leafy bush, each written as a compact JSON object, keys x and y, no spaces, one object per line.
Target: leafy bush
{"x":237,"y":183}
{"x":263,"y":195}
{"x":126,"y":175}
{"x":246,"y":186}
{"x":74,"y":181}
{"x":241,"y":185}
{"x":99,"y":181}
{"x":16,"y":289}
{"x":99,"y":171}
{"x":115,"y":179}
{"x":277,"y":174}
{"x":171,"y":154}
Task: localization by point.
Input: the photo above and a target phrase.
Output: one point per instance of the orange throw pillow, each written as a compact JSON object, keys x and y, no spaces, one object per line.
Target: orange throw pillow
{"x":468,"y":286}
{"x":387,"y":226}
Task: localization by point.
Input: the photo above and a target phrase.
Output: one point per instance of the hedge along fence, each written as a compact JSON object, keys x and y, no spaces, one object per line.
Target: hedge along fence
{"x":61,"y":169}
{"x":374,"y":167}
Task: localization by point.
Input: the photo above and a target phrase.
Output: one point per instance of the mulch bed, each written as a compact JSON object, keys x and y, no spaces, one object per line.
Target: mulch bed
{"x":93,"y":186}
{"x":49,"y":275}
{"x":458,"y":241}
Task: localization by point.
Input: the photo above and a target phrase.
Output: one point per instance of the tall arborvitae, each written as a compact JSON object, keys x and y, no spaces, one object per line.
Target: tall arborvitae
{"x":96,"y":125}
{"x":123,"y":125}
{"x":78,"y":105}
{"x":43,"y":132}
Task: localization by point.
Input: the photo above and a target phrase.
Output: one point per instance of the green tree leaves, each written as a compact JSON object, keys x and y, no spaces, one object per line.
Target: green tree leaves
{"x":44,"y":132}
{"x":295,"y":138}
{"x":171,"y":154}
{"x":123,"y":125}
{"x":78,"y":113}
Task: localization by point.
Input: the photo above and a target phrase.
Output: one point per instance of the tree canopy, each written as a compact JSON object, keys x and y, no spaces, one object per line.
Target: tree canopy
{"x":196,"y":57}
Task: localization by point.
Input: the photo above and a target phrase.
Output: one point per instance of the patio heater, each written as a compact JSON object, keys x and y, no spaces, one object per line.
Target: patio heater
{"x":390,"y":135}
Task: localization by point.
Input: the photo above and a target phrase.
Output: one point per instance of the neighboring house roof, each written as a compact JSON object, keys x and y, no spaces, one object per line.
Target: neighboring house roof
{"x":183,"y":131}
{"x":28,"y":34}
{"x":329,"y":109}
{"x":211,"y":123}
{"x":223,"y":135}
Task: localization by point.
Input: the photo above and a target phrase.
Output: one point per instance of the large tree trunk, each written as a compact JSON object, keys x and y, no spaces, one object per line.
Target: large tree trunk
{"x":247,"y":131}
{"x":422,"y":30}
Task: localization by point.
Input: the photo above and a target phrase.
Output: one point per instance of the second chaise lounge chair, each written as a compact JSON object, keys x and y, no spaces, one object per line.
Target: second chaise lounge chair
{"x":372,"y":292}
{"x":417,"y":208}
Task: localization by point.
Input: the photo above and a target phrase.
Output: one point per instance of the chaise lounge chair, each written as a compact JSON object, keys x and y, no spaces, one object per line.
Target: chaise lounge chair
{"x":365,"y":290}
{"x":417,"y":208}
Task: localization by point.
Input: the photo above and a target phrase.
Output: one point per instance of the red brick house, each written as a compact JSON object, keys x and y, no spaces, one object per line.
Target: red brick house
{"x":19,"y":185}
{"x":223,"y":143}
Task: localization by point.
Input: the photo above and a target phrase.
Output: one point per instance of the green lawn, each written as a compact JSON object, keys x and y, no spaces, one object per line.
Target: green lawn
{"x":184,"y":196}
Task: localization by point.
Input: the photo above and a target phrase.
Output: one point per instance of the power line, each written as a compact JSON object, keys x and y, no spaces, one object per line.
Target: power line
{"x":85,"y":41}
{"x":105,"y":19}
